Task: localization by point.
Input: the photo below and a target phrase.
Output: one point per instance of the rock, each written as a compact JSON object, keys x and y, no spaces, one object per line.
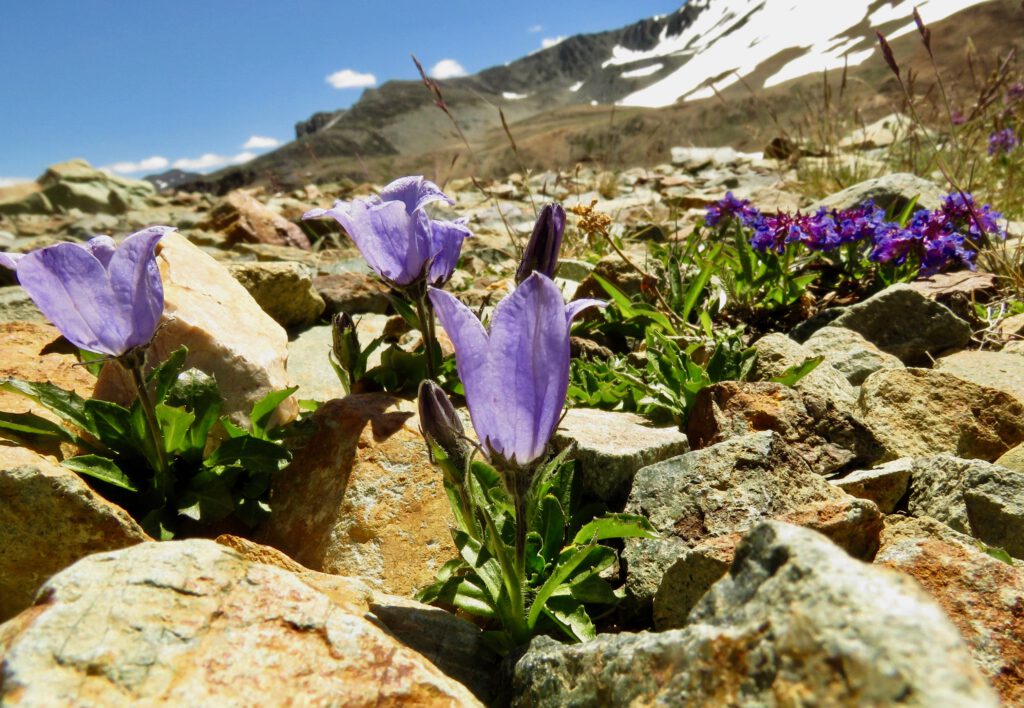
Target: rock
{"x":849,"y":353}
{"x":451,"y":643}
{"x":983,"y":597}
{"x":975,"y":285}
{"x":75,"y":184}
{"x":855,"y":525}
{"x":919,"y":412}
{"x":361,"y":498}
{"x":244,"y":219}
{"x":354,"y":293}
{"x":612,"y":446}
{"x":309,"y":367}
{"x":284,"y":290}
{"x":716,"y":491}
{"x":903,"y":322}
{"x":1013,"y":459}
{"x":693,"y":159}
{"x":17,"y":306}
{"x":882,"y":133}
{"x":194,"y":623}
{"x":796,"y":621}
{"x":777,"y":352}
{"x":998,"y":370}
{"x":885,"y":485}
{"x":893,"y":191}
{"x":49,"y":518}
{"x":227,"y":334}
{"x":617,"y":272}
{"x":827,"y":438}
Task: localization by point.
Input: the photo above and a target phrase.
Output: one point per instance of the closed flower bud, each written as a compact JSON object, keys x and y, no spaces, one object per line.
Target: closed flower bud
{"x":440,"y":423}
{"x":345,"y":341}
{"x":541,"y":252}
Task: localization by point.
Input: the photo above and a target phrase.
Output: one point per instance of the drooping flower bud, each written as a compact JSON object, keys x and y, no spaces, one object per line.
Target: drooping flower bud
{"x":541,"y":252}
{"x":887,"y":54}
{"x":345,"y":342}
{"x":441,"y":425}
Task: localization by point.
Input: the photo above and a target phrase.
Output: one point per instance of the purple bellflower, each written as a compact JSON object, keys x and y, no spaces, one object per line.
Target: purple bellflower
{"x":399,"y":241}
{"x":102,"y":298}
{"x":541,"y":254}
{"x":516,"y":376}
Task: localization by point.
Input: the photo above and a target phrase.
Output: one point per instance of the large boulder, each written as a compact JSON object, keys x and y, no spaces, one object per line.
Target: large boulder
{"x":362,"y":498}
{"x":1002,"y":371}
{"x":75,"y":184}
{"x":283,"y":289}
{"x":49,"y":518}
{"x":796,"y":621}
{"x":194,"y":623}
{"x":920,"y":412}
{"x":892,"y":191}
{"x":244,"y":219}
{"x":227,"y":333}
{"x":849,"y":353}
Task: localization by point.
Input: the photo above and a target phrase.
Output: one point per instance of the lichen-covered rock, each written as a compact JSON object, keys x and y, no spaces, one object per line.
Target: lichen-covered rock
{"x":777,"y":352}
{"x":827,"y":438}
{"x":611,"y":446}
{"x":983,"y":596}
{"x":920,"y":412}
{"x":194,"y":623}
{"x":284,"y":290}
{"x":903,"y":322}
{"x":227,"y":333}
{"x":849,"y":353}
{"x":795,"y":622}
{"x":999,"y":370}
{"x":893,"y":190}
{"x":362,"y":498}
{"x":49,"y":518}
{"x":885,"y":485}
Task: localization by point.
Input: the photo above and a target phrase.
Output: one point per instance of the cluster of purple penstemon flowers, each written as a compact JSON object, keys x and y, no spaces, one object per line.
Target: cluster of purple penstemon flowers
{"x":937,"y":239}
{"x":1002,"y":142}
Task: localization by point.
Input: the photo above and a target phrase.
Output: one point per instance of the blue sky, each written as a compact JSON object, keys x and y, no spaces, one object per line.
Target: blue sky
{"x":149,"y":85}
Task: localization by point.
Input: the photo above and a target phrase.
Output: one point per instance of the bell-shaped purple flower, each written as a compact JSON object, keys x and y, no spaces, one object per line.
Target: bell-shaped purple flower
{"x":102,"y":298}
{"x":399,"y":241}
{"x":541,"y":253}
{"x":516,"y":376}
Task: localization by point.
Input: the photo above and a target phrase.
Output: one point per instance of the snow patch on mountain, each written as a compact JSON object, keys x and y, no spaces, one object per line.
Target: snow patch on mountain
{"x":643,"y":71}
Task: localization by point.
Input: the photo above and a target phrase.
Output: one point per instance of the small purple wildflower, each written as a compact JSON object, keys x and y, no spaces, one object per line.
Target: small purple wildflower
{"x":729,"y":207}
{"x":962,"y":211}
{"x":957,"y":117}
{"x":1002,"y":142}
{"x":1015,"y":93}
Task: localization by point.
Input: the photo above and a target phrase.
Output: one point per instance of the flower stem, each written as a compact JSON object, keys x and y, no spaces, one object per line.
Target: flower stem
{"x":425,"y":314}
{"x":163,"y":472}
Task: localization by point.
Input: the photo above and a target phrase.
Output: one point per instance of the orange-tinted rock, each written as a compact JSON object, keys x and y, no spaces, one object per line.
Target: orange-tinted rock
{"x":361,"y":498}
{"x":227,"y":334}
{"x":244,"y":219}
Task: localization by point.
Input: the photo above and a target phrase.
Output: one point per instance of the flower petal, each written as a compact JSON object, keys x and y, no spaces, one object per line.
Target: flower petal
{"x":446,"y":245}
{"x":577,"y":306}
{"x":71,"y":287}
{"x":10,"y":260}
{"x":135,"y":281}
{"x":395,"y":244}
{"x":484,"y":391}
{"x":102,"y":247}
{"x":529,"y":344}
{"x":415,"y":192}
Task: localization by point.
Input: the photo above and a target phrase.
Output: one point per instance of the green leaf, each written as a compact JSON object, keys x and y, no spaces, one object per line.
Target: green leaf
{"x":231,"y":429}
{"x":101,"y":468}
{"x":167,"y":373}
{"x":997,"y":553}
{"x":793,"y":374}
{"x":571,"y":617}
{"x":32,"y":425}
{"x":618,"y":297}
{"x":552,"y":528}
{"x":196,"y":392}
{"x":68,"y":405}
{"x":207,"y":498}
{"x":112,"y":425}
{"x":174,"y":425}
{"x":615,"y":526}
{"x":249,"y":452}
{"x":595,"y":590}
{"x":91,"y":361}
{"x":570,"y":559}
{"x":264,"y":409}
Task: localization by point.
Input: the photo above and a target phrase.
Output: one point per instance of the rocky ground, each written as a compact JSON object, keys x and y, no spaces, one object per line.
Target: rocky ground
{"x":826,"y":544}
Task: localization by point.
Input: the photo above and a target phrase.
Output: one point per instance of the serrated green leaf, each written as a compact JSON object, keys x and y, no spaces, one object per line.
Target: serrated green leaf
{"x":32,"y":425}
{"x":112,"y":425}
{"x":615,"y":526}
{"x":571,"y":617}
{"x":166,"y":373}
{"x":101,"y":468}
{"x":174,"y":426}
{"x":595,"y":590}
{"x":249,"y":452}
{"x":67,"y":405}
{"x":207,"y":498}
{"x":264,"y":409}
{"x":793,"y":374}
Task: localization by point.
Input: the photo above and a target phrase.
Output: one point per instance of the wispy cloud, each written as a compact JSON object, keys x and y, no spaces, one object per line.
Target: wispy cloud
{"x":447,"y":69}
{"x":550,"y":41}
{"x":347,"y":78}
{"x":150,"y":164}
{"x":11,"y":181}
{"x":535,"y":29}
{"x":260,"y":142}
{"x":211,"y":161}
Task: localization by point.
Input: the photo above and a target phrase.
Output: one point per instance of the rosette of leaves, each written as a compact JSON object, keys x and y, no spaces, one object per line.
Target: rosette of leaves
{"x":561,"y":583}
{"x":209,"y":483}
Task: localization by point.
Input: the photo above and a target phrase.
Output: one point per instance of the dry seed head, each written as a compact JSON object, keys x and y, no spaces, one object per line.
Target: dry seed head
{"x":591,"y":222}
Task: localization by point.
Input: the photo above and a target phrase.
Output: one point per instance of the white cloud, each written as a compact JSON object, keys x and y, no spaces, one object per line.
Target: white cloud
{"x":347,"y":78}
{"x":211,"y":161}
{"x":150,"y":164}
{"x":260,"y":142}
{"x":11,"y":181}
{"x":447,"y":69}
{"x":535,"y":29}
{"x":550,"y":41}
